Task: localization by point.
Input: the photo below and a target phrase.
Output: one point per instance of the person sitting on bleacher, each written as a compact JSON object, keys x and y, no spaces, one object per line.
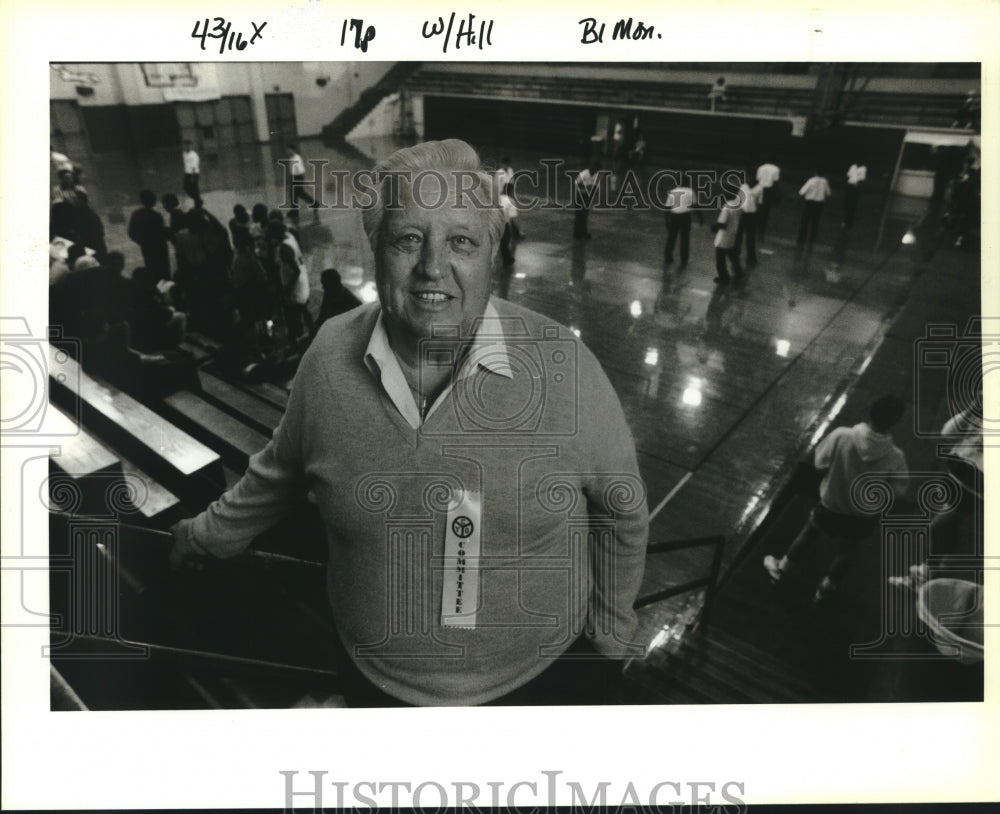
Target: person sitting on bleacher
{"x":336,"y":298}
{"x":844,"y":455}
{"x":155,"y":325}
{"x":249,"y":282}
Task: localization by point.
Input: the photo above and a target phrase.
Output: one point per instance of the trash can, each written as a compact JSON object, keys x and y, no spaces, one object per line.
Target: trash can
{"x":953,"y":611}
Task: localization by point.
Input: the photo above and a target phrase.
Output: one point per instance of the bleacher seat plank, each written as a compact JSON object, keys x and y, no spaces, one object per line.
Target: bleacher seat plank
{"x":216,"y":427}
{"x":261,"y":415}
{"x":182,"y":463}
{"x":160,"y":502}
{"x":80,"y":454}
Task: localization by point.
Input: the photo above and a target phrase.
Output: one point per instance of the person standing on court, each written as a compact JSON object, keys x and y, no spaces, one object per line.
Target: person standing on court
{"x":297,"y":187}
{"x":192,"y":173}
{"x":751,"y":198}
{"x":857,"y":173}
{"x":679,"y":205}
{"x":815,"y":191}
{"x":583,"y":198}
{"x":768,"y":176}
{"x":725,"y":229}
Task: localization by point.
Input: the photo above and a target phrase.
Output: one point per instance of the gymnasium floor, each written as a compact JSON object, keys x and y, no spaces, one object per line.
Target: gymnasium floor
{"x":723,"y":387}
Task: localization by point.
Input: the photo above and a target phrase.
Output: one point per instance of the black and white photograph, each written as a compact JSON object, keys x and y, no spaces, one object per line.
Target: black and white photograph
{"x":529,"y":396}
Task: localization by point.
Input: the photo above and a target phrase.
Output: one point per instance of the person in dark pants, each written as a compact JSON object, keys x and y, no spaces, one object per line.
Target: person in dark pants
{"x":583,"y":199}
{"x":845,"y":455}
{"x":680,"y":203}
{"x":815,"y":191}
{"x":751,"y":198}
{"x":725,"y":229}
{"x":767,"y":176}
{"x":192,"y":173}
{"x":298,"y":184}
{"x":147,"y":228}
{"x":856,"y":175}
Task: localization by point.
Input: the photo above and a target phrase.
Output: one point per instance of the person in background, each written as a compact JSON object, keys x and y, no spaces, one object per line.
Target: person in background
{"x":239,"y":223}
{"x":67,"y":190}
{"x":725,"y":229}
{"x":297,"y":185}
{"x":89,"y":226}
{"x":192,"y":173}
{"x":249,"y":284}
{"x":147,"y":228}
{"x":752,"y":198}
{"x":155,"y":326}
{"x":63,"y":222}
{"x":258,"y":229}
{"x":583,"y":198}
{"x":844,"y":455}
{"x":336,"y":298}
{"x":857,"y":173}
{"x":679,"y":205}
{"x":768,"y":175}
{"x":717,"y":93}
{"x":294,"y":278}
{"x":814,"y":193}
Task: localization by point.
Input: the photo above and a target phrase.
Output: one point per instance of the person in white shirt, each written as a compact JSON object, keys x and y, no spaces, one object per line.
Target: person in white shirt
{"x":768,"y":176}
{"x":679,"y":205}
{"x":856,"y":175}
{"x":192,"y":174}
{"x":725,"y":229}
{"x":752,"y":198}
{"x":815,"y":191}
{"x":583,"y":194}
{"x":298,"y":184}
{"x":717,"y":93}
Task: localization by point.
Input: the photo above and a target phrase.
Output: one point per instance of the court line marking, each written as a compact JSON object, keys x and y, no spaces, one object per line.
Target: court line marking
{"x":670,"y":494}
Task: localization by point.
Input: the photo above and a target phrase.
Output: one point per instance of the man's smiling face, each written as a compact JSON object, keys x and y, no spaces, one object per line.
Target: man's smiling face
{"x":433,"y":266}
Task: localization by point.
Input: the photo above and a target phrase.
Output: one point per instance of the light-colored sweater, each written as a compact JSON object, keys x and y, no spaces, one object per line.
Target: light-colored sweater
{"x":849,"y":452}
{"x":564,"y":518}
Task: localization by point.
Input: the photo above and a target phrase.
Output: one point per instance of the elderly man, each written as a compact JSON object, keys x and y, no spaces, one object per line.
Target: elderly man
{"x":475,"y":474}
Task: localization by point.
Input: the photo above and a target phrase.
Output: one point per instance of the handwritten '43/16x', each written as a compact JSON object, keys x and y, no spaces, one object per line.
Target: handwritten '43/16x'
{"x":222,"y":31}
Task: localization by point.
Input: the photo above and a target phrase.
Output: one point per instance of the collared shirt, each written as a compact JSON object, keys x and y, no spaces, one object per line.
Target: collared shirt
{"x":752,"y":197}
{"x":816,"y":189}
{"x":680,"y":200}
{"x":488,"y":351}
{"x":191,"y":162}
{"x":767,"y":174}
{"x":856,"y":173}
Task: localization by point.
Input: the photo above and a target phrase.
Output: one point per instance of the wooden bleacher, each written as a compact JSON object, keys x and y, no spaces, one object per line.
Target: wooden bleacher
{"x":234,"y":440}
{"x":179,"y":462}
{"x":263,"y":415}
{"x":95,"y":469}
